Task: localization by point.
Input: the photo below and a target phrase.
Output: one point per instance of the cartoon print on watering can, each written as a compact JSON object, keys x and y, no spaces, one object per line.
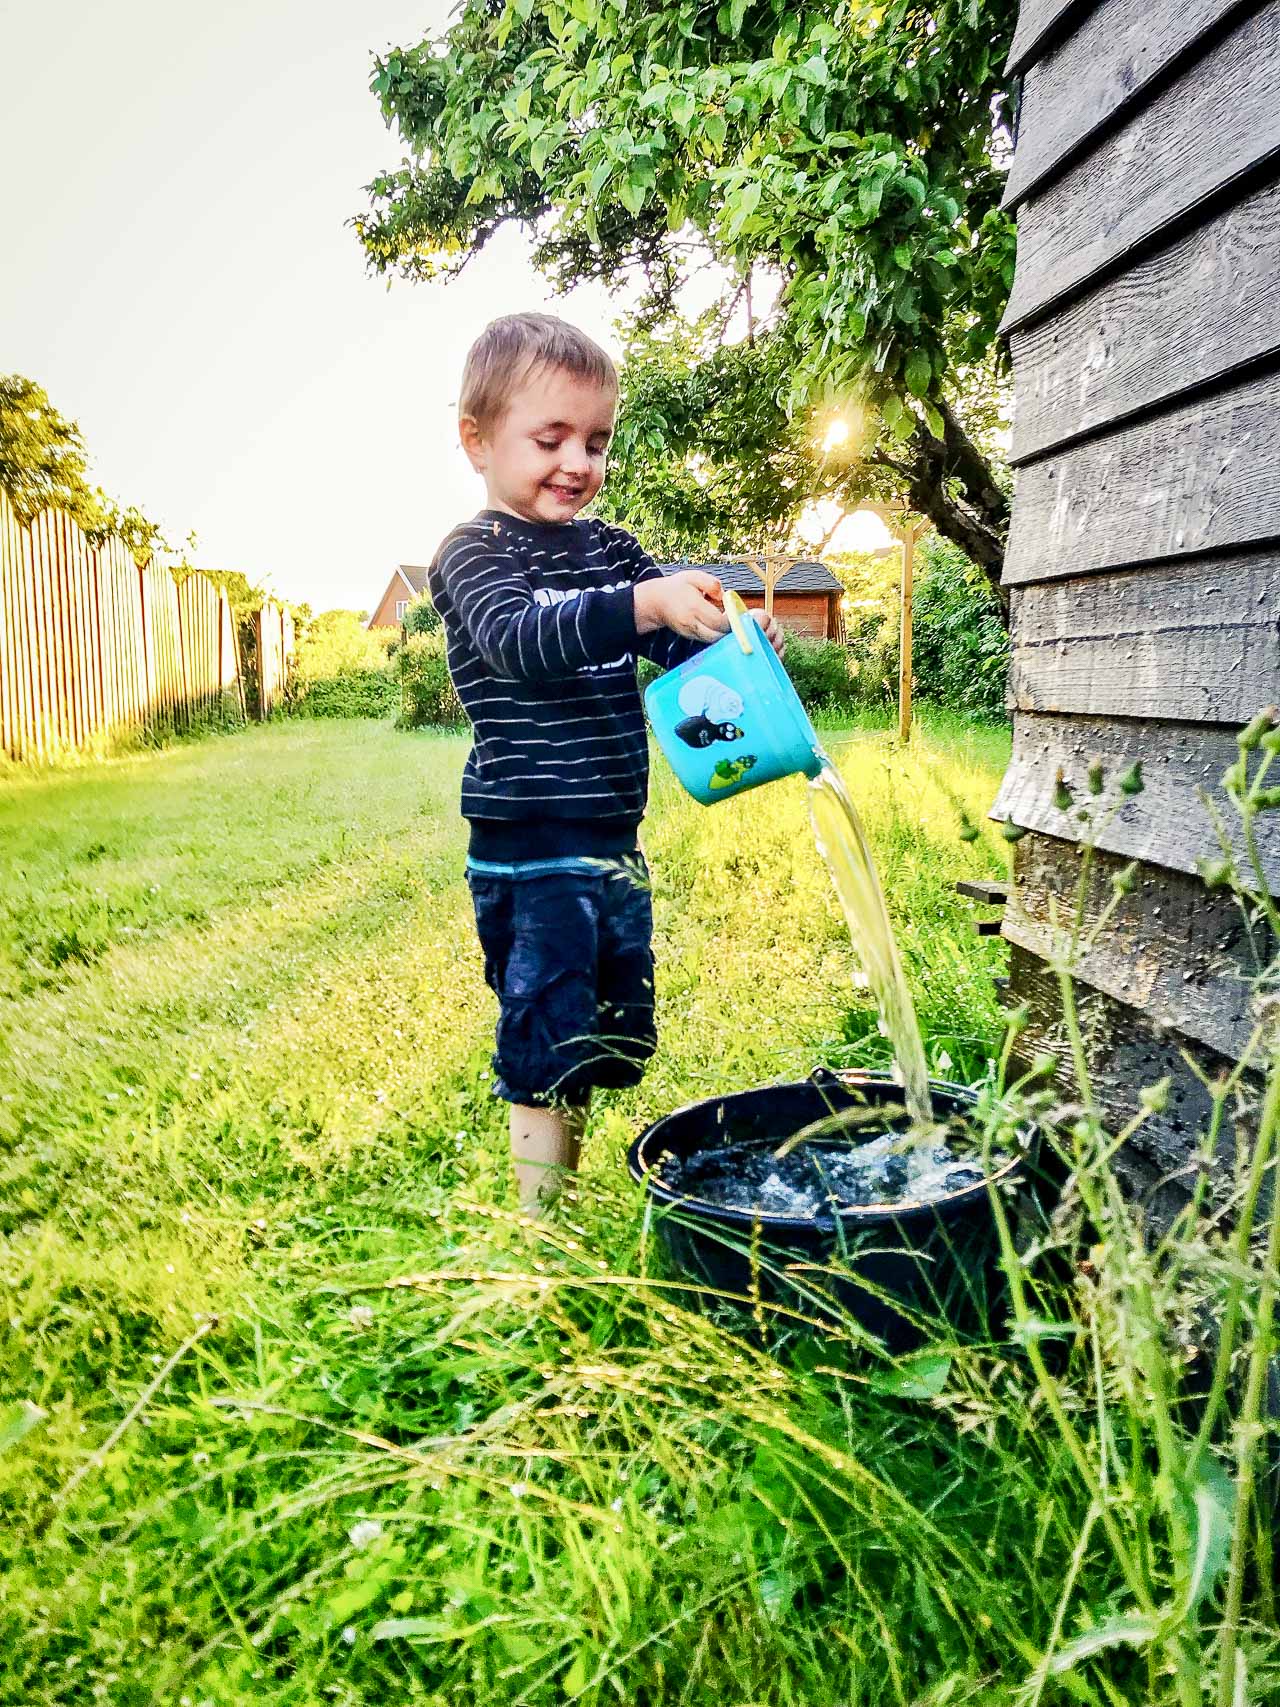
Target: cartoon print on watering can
{"x":710,"y":708}
{"x":730,"y":772}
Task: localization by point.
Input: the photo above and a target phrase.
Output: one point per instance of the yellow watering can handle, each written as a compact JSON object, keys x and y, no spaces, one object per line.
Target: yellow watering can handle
{"x":736,"y":611}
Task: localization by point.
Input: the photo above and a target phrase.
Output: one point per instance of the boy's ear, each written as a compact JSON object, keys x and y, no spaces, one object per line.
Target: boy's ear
{"x":472,"y":442}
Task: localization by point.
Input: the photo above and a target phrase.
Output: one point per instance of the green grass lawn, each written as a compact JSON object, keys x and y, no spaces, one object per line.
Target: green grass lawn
{"x":243,"y":1059}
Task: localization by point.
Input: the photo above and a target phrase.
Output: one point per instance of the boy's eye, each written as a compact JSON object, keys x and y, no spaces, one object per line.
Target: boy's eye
{"x":548,"y":444}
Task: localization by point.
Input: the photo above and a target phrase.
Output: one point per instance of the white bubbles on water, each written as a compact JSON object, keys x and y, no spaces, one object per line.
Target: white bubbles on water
{"x":818,"y":1178}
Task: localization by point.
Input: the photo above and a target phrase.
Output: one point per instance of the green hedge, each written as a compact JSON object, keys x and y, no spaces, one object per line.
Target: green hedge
{"x":826,"y":674}
{"x":427,"y":696}
{"x":960,"y":646}
{"x":351,"y":693}
{"x":341,"y":670}
{"x":961,"y":655}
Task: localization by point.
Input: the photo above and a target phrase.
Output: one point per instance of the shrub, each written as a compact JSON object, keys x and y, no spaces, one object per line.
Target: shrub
{"x":960,"y":644}
{"x":427,"y":696}
{"x":422,"y":617}
{"x":351,"y":693}
{"x":822,"y":673}
{"x":341,"y":669}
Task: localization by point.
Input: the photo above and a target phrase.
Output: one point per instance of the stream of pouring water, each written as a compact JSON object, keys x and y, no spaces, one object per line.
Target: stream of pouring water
{"x":842,"y":842}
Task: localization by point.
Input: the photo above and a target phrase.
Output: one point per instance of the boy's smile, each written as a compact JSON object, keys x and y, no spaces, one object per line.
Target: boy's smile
{"x":545,"y":459}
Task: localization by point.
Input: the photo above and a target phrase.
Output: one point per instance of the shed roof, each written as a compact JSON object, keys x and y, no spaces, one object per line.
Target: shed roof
{"x":743,"y":578}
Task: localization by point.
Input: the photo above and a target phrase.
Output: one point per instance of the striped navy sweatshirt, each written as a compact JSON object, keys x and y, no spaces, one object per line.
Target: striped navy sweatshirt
{"x":539,"y":620}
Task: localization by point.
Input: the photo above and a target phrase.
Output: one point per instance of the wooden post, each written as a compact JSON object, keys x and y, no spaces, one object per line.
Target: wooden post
{"x":904,"y":636}
{"x":907,"y":530}
{"x":774,"y":569}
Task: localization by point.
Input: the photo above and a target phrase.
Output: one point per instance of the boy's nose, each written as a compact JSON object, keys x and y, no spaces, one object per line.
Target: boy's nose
{"x":573,"y":458}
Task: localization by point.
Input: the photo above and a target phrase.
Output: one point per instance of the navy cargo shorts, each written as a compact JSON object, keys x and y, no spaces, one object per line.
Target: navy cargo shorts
{"x":568,"y":951}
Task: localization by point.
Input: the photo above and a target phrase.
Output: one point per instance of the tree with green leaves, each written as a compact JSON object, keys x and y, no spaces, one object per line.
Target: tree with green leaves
{"x":849,"y":158}
{"x":44,"y":466}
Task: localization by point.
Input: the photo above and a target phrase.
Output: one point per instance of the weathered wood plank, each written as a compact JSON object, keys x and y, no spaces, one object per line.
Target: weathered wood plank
{"x":1126,"y":1053}
{"x":1204,"y":477}
{"x":1214,"y":123}
{"x":1092,"y":76}
{"x":1039,"y":23}
{"x":1197,"y":642}
{"x":1168,"y":823}
{"x":31,"y":715}
{"x":1097,"y":362}
{"x":991,"y":894}
{"x":10,"y":716}
{"x":1183,"y":956}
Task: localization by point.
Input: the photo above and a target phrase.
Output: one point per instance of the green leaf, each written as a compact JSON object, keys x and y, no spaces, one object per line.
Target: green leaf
{"x":1133,"y":1630}
{"x":903,"y":256}
{"x":905,"y":426}
{"x":921,"y":1377}
{"x":1214,"y":1500}
{"x":575,"y":1679}
{"x":599,"y":178}
{"x":919,"y":373}
{"x":937,"y":426}
{"x":682,"y":108}
{"x":870,"y":195}
{"x":411,"y":1629}
{"x":737,"y":12}
{"x":1036,"y":1327}
{"x":715,"y":128}
{"x":743,"y":203}
{"x":17,"y":1421}
{"x":632,"y":194}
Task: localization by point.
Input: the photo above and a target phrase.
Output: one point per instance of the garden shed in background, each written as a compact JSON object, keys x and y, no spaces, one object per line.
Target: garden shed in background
{"x":806,"y":596}
{"x":1144,"y":554}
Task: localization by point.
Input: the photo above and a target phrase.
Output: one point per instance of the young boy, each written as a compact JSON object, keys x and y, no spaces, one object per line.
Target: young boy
{"x":543,"y":617}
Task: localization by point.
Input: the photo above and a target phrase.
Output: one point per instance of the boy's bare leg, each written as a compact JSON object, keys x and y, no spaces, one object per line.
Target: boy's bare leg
{"x":545,"y":1144}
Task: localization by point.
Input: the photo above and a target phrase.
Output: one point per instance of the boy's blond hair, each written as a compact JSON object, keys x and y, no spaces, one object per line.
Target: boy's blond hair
{"x":509,"y":350}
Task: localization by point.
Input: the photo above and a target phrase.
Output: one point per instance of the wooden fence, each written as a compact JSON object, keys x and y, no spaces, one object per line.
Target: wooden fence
{"x":275,"y":642}
{"x":92,"y":646}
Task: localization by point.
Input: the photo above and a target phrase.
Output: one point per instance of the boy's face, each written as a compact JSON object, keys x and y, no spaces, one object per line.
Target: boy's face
{"x":545,"y":459}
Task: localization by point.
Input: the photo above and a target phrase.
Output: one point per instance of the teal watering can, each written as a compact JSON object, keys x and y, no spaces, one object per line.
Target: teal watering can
{"x":729,"y":719}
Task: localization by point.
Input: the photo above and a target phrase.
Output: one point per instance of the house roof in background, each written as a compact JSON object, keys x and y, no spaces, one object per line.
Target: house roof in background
{"x":742,"y":578}
{"x":415,"y":574}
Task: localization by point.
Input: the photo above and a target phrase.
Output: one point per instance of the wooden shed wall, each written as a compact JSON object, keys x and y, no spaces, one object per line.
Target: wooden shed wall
{"x":1144,"y":556}
{"x":815,"y":615}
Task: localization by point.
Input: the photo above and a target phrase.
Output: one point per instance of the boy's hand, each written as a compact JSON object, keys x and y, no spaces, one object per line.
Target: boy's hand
{"x":773,"y":633}
{"x":688,"y":602}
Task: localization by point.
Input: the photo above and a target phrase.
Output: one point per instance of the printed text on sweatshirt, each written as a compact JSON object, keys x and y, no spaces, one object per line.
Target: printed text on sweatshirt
{"x":540,"y":626}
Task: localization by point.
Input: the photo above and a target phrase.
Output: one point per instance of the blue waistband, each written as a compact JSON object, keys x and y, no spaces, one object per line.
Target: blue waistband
{"x":584,"y":865}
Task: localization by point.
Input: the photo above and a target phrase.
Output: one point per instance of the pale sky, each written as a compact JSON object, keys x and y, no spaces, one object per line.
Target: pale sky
{"x":178,"y":276}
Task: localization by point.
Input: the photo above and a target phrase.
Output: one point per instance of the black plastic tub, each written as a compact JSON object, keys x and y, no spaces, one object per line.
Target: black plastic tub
{"x":888,"y":1266}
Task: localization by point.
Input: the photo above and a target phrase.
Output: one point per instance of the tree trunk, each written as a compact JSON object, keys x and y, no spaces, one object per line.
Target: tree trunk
{"x":950,"y":481}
